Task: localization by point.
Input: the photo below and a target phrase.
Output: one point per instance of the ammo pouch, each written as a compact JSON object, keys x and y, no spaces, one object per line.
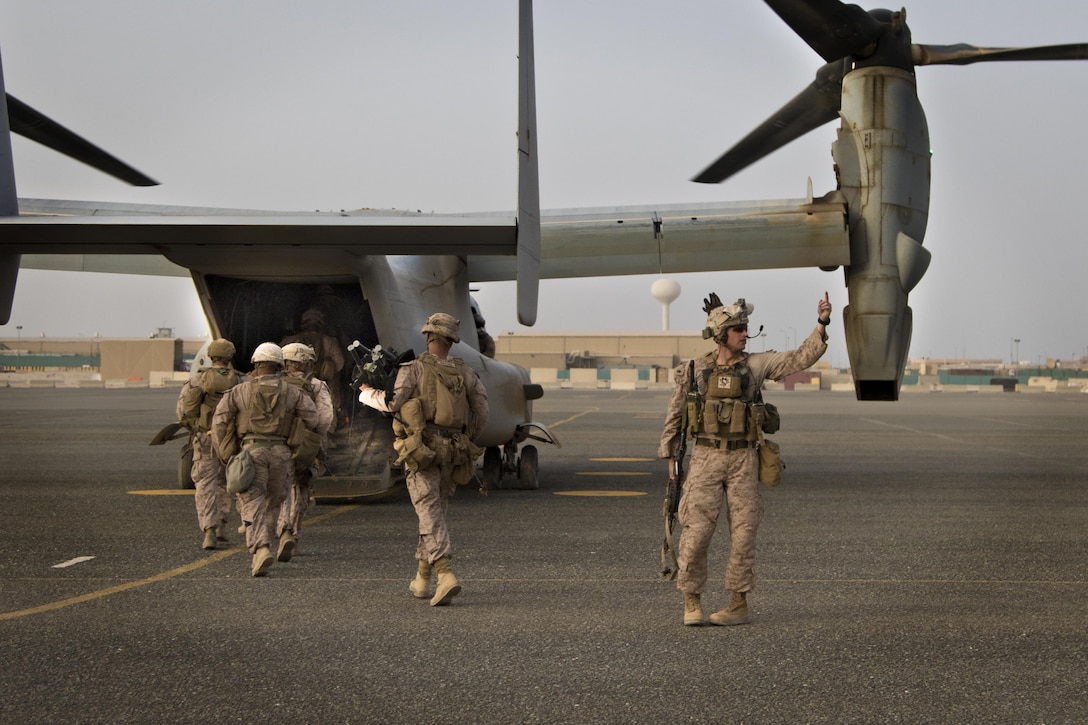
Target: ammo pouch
{"x":693,"y":414}
{"x":304,"y":444}
{"x":412,"y":452}
{"x":240,"y":472}
{"x":722,"y":417}
{"x":408,"y":426}
{"x":770,"y":463}
{"x":463,"y":455}
{"x":772,"y":421}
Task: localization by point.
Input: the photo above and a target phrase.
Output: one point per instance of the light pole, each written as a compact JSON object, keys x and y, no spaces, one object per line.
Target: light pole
{"x":1016,"y":350}
{"x":19,"y":344}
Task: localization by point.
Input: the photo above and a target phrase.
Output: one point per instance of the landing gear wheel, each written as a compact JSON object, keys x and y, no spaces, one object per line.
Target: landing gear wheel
{"x":185,"y":467}
{"x":528,"y":468}
{"x":491,"y":475}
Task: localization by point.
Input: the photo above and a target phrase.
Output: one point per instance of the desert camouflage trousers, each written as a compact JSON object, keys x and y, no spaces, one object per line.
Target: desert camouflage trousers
{"x":209,"y":475}
{"x":273,"y":476}
{"x":717,"y":477}
{"x":430,"y":492}
{"x":293,"y":508}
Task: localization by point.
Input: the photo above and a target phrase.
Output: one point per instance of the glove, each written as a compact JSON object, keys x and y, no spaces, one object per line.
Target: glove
{"x":711,"y":303}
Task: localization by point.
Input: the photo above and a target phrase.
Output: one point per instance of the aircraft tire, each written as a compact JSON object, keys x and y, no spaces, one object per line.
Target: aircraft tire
{"x":528,"y":468}
{"x":185,"y":467}
{"x":491,"y":475}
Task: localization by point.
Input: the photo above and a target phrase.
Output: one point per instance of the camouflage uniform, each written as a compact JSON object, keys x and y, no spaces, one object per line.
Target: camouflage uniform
{"x":273,"y":467}
{"x":200,"y":392}
{"x":431,"y":486}
{"x":719,"y":474}
{"x":298,"y":498}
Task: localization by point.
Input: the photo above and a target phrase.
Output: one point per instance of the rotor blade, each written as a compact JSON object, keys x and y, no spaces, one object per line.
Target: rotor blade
{"x":831,"y":28}
{"x":36,"y":126}
{"x":818,"y":104}
{"x":963,"y":54}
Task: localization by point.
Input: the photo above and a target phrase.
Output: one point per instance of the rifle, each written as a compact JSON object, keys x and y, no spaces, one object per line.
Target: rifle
{"x":675,"y":486}
{"x":376,"y":367}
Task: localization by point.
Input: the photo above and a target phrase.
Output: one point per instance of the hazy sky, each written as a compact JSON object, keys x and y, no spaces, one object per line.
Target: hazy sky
{"x":341,"y":105}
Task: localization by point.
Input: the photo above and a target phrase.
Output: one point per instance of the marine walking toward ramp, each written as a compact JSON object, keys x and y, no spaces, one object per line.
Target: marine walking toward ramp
{"x":199,"y":396}
{"x":299,"y":360}
{"x":439,"y":405}
{"x":252,"y":428}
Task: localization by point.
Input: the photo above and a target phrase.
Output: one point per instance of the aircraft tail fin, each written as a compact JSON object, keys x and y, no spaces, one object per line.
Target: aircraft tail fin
{"x":9,"y":206}
{"x":528,"y":254}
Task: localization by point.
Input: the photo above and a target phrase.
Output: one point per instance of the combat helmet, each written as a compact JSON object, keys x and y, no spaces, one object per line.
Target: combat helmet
{"x":268,"y":352}
{"x":444,"y":325}
{"x":221,"y":348}
{"x":299,"y":352}
{"x":722,"y":317}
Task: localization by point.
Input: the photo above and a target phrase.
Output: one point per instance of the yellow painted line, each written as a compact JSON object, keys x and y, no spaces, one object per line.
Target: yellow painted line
{"x":612,"y":473}
{"x":574,"y":417}
{"x":163,"y":492}
{"x":624,"y":460}
{"x":163,"y":576}
{"x":600,"y":493}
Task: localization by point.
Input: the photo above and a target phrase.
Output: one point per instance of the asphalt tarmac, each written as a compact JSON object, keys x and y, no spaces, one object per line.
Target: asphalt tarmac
{"x":923,"y":561}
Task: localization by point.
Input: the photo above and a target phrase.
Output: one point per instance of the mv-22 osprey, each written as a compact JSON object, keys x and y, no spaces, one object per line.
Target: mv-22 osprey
{"x":257,"y":272}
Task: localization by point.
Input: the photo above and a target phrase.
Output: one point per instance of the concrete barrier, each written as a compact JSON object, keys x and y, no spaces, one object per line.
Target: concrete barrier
{"x":583,"y":378}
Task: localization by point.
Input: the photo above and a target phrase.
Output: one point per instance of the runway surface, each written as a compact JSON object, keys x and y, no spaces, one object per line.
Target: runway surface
{"x":923,"y":561}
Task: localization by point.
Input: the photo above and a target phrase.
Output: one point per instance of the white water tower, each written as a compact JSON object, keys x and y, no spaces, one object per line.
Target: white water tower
{"x":666,"y":291}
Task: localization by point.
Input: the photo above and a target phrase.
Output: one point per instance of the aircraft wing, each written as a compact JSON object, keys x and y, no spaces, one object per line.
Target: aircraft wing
{"x":675,"y":238}
{"x":241,"y":243}
{"x":664,"y":239}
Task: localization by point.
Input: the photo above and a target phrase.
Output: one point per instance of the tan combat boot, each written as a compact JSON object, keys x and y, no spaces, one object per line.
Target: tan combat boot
{"x":693,"y":610}
{"x":262,"y":561}
{"x":287,"y":546}
{"x":735,"y":612}
{"x":422,"y":582}
{"x":209,"y":538}
{"x":447,"y":588}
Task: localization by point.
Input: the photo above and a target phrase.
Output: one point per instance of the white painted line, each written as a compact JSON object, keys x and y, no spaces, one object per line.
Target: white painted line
{"x":72,"y":562}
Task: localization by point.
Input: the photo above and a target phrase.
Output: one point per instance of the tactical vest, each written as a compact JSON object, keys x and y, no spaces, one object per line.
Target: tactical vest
{"x":214,"y":382}
{"x":724,"y":404}
{"x":264,"y":412}
{"x":444,"y":393}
